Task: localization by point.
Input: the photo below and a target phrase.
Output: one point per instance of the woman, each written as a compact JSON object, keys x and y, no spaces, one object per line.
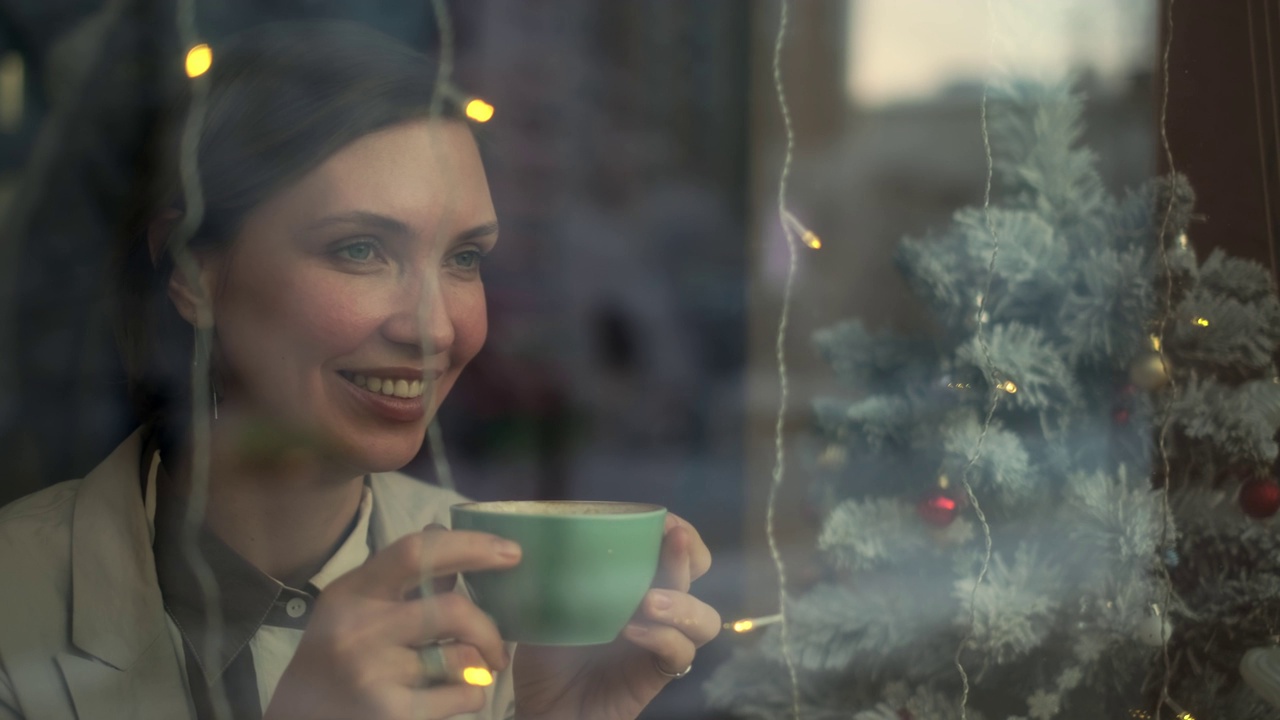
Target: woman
{"x":339,"y":230}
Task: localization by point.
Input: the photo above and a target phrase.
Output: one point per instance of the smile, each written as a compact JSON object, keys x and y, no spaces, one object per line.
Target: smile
{"x":393,"y":387}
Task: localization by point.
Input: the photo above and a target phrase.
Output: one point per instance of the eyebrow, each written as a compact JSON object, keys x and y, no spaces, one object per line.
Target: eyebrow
{"x":391,"y":225}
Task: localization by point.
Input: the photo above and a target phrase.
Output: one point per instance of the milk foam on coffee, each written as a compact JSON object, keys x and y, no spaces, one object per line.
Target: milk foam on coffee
{"x":554,"y":507}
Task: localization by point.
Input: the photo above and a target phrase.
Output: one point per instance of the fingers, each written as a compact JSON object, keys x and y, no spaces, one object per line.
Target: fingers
{"x":673,"y":562}
{"x":449,"y":616}
{"x":406,"y":667}
{"x":699,"y":553}
{"x":695,"y":619}
{"x":437,"y":703}
{"x":672,"y":650}
{"x":435,"y":552}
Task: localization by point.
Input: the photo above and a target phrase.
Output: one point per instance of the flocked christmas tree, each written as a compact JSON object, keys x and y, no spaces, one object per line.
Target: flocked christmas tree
{"x":1126,"y":473}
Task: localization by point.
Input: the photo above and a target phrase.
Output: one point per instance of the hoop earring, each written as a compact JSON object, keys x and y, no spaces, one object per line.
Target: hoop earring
{"x":213,"y":381}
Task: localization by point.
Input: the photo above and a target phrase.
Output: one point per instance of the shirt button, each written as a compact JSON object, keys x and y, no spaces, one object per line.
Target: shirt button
{"x":296,"y":607}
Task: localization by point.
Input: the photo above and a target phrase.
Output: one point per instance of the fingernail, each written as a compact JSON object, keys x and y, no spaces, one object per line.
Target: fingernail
{"x":661,"y":601}
{"x":506,"y":549}
{"x":637,"y":629}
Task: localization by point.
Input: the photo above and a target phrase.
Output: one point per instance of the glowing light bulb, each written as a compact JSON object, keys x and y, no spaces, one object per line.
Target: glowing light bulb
{"x":811,"y":239}
{"x":1155,"y":343}
{"x":1202,"y":322}
{"x":477,"y":676}
{"x":199,"y":60}
{"x":479,"y":110}
{"x":1008,"y":386}
{"x":749,"y":624}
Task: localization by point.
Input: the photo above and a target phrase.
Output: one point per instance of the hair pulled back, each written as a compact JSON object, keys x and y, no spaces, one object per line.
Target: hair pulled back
{"x":280,"y":99}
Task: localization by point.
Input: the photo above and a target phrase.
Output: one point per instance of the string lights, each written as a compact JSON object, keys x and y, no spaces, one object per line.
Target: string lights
{"x":746,"y":625}
{"x":477,"y":676}
{"x":807,"y":236}
{"x":479,"y":110}
{"x":199,"y":60}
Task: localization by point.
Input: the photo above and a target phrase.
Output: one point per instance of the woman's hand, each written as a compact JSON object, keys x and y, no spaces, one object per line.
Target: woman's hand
{"x":359,"y":655}
{"x":616,"y":681}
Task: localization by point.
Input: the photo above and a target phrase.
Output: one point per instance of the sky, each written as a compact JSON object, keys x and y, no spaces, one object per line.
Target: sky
{"x":905,"y":49}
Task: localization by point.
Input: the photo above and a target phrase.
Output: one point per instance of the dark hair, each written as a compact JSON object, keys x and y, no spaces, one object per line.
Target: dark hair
{"x":281,"y":98}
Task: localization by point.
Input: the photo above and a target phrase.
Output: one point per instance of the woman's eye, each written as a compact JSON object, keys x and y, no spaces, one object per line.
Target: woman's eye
{"x":358,"y":252}
{"x":468,"y":259}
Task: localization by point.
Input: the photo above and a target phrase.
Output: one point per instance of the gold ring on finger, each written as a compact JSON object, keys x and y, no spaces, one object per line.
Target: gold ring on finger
{"x":435,"y":667}
{"x":657,"y":665}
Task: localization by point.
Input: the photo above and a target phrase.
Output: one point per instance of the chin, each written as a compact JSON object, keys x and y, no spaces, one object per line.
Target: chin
{"x":385,"y":454}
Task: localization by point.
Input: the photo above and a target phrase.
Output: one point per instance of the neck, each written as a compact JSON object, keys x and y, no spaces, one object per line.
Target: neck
{"x":286,"y":512}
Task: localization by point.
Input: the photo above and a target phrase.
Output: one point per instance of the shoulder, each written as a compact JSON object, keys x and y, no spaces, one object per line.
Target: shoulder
{"x":38,"y":525}
{"x":35,"y":562}
{"x":419,"y":502}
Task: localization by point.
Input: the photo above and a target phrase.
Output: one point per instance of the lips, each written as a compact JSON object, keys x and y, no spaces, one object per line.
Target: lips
{"x":400,"y":387}
{"x":394,"y":395}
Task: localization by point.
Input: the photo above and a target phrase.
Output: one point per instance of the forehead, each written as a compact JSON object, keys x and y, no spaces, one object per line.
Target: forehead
{"x":426,"y":174}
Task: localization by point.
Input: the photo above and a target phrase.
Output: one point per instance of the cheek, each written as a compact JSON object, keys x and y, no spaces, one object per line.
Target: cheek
{"x":291,"y":322}
{"x":471,"y":326}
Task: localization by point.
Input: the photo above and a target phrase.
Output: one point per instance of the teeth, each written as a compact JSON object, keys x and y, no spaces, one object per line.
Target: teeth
{"x":388,"y":386}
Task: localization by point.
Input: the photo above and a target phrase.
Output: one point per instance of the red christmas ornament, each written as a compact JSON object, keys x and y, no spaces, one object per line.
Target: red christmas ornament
{"x":938,"y":508}
{"x":1260,"y":497}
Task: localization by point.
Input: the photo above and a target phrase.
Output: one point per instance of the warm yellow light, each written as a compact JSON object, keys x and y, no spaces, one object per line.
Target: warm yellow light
{"x":1155,"y":343}
{"x":944,"y":482}
{"x":1202,"y":322}
{"x":12,"y":91}
{"x":479,"y":110}
{"x":477,"y":676}
{"x":199,"y":60}
{"x":743,"y":626}
{"x":1008,"y":386}
{"x":812,"y":240}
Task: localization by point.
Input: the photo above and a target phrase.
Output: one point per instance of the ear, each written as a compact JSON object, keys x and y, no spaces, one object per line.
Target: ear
{"x":192,"y":296}
{"x":159,"y":232}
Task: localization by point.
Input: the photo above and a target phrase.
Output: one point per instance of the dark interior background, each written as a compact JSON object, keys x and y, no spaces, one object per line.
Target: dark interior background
{"x":634,"y":298}
{"x":617,"y":161}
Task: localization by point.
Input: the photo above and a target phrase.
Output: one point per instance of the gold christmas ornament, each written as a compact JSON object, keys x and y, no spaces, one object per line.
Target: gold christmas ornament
{"x":1149,"y":371}
{"x":834,"y":456}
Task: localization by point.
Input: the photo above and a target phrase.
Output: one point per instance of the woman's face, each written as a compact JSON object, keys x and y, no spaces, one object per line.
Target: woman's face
{"x":350,"y":301}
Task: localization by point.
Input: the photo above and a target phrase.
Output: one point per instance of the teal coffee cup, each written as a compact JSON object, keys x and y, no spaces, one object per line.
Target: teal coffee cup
{"x":584,"y":569}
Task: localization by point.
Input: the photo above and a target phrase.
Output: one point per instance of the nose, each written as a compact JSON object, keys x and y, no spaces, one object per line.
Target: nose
{"x":422,"y":319}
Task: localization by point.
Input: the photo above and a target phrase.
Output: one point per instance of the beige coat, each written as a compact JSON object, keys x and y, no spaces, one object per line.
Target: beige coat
{"x":83,"y":632}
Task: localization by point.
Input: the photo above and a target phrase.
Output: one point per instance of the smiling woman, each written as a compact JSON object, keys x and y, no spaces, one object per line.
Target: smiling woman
{"x":339,"y":228}
{"x":366,"y":266}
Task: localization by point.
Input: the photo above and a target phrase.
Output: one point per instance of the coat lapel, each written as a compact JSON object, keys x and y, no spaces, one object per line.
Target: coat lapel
{"x":151,"y":688}
{"x":127,"y":665}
